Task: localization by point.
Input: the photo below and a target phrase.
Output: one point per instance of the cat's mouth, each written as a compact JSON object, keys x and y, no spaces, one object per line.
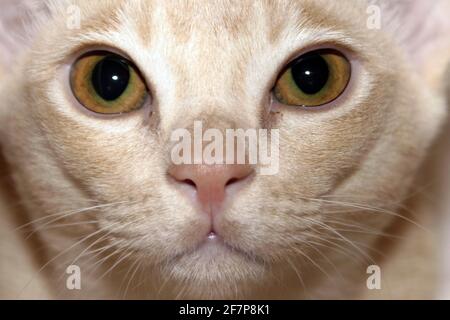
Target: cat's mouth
{"x":215,"y":248}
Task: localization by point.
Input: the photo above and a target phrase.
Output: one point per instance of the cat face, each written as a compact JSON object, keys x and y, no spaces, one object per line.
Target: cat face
{"x":346,"y":162}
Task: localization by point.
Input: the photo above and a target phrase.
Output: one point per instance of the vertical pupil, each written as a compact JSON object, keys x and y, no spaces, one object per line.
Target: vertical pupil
{"x":110,"y":77}
{"x":310,"y":73}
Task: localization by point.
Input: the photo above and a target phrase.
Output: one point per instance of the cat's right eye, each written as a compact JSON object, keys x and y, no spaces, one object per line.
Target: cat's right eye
{"x":107,"y":83}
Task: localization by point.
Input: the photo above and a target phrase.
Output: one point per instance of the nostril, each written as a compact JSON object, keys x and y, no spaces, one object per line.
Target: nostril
{"x":239,"y":174}
{"x":231,"y":181}
{"x":189,"y":182}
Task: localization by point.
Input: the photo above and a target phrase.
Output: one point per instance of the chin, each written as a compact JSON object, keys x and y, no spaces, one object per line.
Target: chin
{"x":214,"y":270}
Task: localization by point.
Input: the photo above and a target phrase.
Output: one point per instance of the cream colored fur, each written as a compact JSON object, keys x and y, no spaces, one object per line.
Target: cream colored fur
{"x":353,"y":188}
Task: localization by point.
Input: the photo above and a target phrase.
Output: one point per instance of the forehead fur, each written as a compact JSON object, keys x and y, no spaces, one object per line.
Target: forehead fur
{"x":421,"y":27}
{"x":223,"y":20}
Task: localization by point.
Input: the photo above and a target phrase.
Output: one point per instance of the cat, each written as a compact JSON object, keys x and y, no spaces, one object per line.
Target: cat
{"x":92,"y":206}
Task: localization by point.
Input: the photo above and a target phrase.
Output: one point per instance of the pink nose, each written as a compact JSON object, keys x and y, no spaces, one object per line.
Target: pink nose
{"x":212,"y":182}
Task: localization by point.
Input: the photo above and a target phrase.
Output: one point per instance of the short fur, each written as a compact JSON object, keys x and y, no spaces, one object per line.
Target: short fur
{"x":347,"y":194}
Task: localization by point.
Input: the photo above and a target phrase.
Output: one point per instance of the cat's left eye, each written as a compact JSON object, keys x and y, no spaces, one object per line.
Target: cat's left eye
{"x":314,"y":79}
{"x":107,"y":83}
